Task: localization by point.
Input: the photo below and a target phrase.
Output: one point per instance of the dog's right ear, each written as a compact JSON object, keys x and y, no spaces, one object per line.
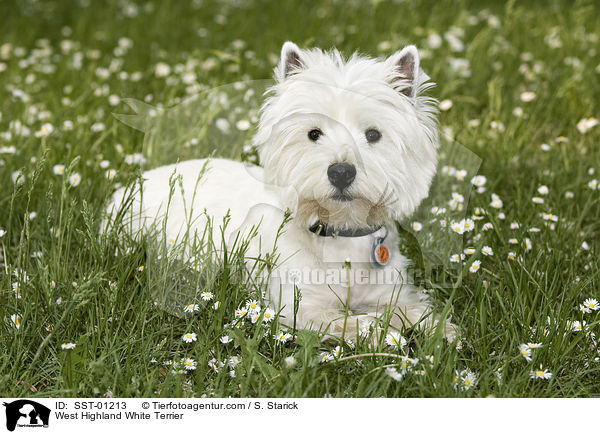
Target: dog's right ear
{"x":291,"y":60}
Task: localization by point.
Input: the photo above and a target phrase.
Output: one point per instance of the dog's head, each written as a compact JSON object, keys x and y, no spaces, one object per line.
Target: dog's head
{"x":354,"y":137}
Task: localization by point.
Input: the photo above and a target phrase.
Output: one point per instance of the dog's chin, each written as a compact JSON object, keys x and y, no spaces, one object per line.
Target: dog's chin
{"x":344,"y":211}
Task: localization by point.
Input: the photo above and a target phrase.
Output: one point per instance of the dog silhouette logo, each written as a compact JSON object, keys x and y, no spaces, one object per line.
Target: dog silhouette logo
{"x":26,"y":413}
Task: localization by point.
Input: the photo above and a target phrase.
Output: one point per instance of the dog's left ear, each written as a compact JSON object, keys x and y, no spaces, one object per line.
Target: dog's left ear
{"x":406,"y":64}
{"x":291,"y":60}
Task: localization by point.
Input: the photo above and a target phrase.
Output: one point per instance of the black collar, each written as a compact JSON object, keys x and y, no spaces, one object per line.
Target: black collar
{"x":324,"y":230}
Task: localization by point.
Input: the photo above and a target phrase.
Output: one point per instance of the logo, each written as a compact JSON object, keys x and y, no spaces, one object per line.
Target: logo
{"x":26,"y":413}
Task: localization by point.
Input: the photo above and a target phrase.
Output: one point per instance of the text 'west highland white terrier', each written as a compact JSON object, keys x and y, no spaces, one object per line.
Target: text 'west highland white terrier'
{"x":348,"y":147}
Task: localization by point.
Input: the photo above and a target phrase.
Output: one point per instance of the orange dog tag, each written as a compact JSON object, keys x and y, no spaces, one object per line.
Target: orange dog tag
{"x":381,"y":253}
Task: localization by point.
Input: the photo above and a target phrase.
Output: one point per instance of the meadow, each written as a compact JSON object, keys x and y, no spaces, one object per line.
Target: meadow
{"x":80,"y":312}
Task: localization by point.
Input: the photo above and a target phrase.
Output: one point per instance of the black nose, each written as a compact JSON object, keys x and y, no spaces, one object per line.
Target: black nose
{"x":341,"y":175}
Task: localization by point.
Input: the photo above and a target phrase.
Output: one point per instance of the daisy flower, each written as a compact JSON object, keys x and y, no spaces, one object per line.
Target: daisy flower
{"x":395,"y":340}
{"x":534,"y":345}
{"x":527,"y":96}
{"x":445,"y":105}
{"x":233,"y":361}
{"x":226,"y":339}
{"x":470,"y":251}
{"x":45,"y":130}
{"x":59,"y":169}
{"x":537,"y":200}
{"x":416,"y":226}
{"x":592,"y":304}
{"x":478,"y":181}
{"x":542,"y":189}
{"x":268,"y":315}
{"x":586,"y":124}
{"x":496,"y":201}
{"x":206,"y":295}
{"x":189,"y":364}
{"x":457,"y":227}
{"x":75,"y":179}
{"x":468,"y":380}
{"x":487,"y":226}
{"x":68,"y":346}
{"x":189,"y":337}
{"x":542,"y":374}
{"x":241,"y":312}
{"x":525,"y":351}
{"x":593,"y":184}
{"x":460,"y":174}
{"x":578,"y":326}
{"x":337,"y":352}
{"x":191,"y":308}
{"x":16,"y":320}
{"x":253,"y":306}
{"x":475,"y":266}
{"x":487,"y":251}
{"x":455,"y":258}
{"x":468,"y":225}
{"x":326,"y":357}
{"x":282,"y":337}
{"x":393,"y":372}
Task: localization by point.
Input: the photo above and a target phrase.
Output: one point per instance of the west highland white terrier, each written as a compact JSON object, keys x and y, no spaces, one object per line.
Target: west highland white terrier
{"x":348,"y":147}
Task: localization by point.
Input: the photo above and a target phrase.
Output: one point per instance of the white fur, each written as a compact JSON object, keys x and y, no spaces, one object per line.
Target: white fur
{"x":342,"y":98}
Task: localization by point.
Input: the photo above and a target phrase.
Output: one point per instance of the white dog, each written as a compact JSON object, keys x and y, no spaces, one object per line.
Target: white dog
{"x":348,"y":147}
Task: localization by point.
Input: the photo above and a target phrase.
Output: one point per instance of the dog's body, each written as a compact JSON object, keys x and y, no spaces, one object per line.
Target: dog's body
{"x":347,"y":147}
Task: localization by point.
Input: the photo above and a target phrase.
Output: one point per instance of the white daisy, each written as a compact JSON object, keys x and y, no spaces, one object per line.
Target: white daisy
{"x":525,"y":351}
{"x":479,"y":180}
{"x":189,"y":364}
{"x":445,"y":105}
{"x":75,"y":179}
{"x":496,"y":201}
{"x":191,"y":308}
{"x":59,"y":169}
{"x":206,"y":295}
{"x":393,"y":372}
{"x":189,"y":337}
{"x":542,"y":374}
{"x":487,"y":251}
{"x":542,"y":189}
{"x":253,"y":306}
{"x":475,"y":266}
{"x":268,"y":315}
{"x":16,"y":320}
{"x":527,"y":96}
{"x":592,"y":304}
{"x":395,"y":339}
{"x":282,"y":337}
{"x":226,"y":339}
{"x":68,"y":346}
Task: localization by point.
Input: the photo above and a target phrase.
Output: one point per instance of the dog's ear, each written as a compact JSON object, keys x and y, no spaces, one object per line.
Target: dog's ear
{"x":406,"y":65}
{"x":291,"y":60}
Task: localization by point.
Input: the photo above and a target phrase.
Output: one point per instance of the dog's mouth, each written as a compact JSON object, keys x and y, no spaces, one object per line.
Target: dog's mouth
{"x":342,"y":196}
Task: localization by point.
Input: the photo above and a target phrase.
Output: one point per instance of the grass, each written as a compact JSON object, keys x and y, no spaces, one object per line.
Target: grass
{"x":74,"y":289}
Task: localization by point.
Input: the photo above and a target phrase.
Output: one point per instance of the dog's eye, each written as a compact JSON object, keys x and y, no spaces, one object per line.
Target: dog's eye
{"x":372,"y":135}
{"x":314,"y":134}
